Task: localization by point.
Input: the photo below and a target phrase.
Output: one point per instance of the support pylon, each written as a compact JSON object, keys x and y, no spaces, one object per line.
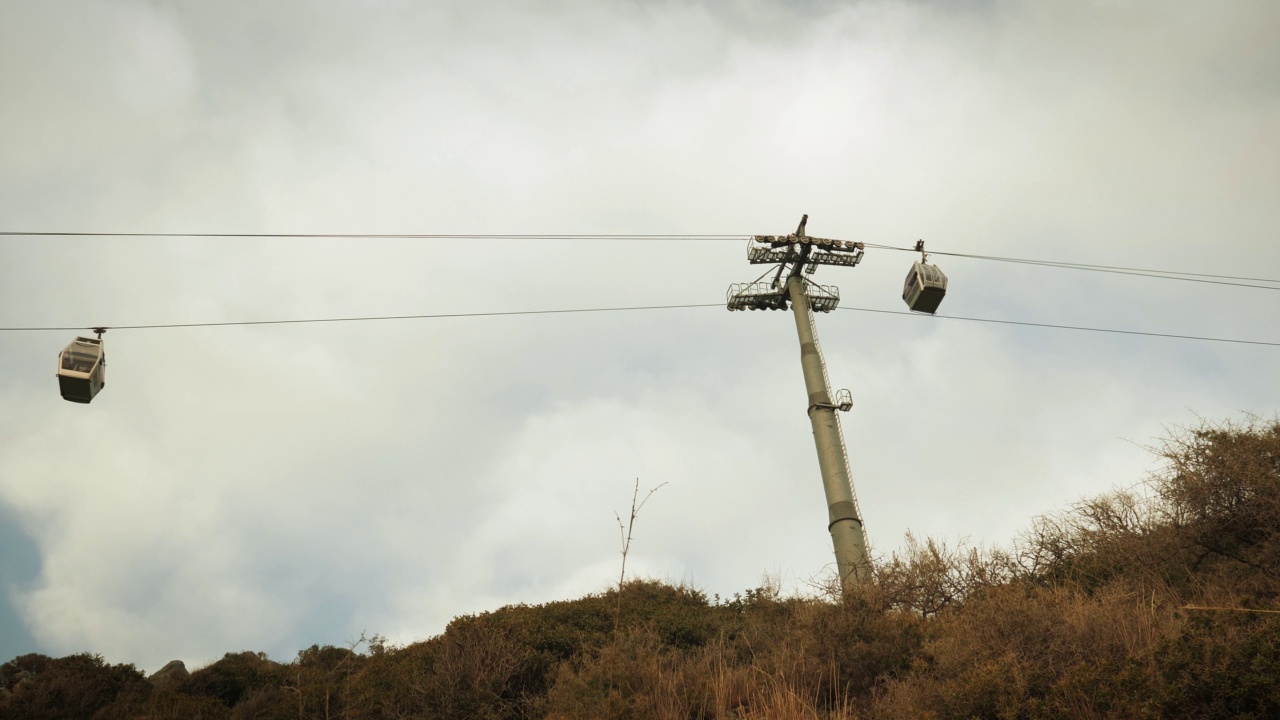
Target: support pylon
{"x":797,"y":255}
{"x":844,"y":519}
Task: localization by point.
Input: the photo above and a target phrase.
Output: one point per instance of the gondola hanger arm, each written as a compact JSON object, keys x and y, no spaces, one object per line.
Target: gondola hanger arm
{"x":924,"y":258}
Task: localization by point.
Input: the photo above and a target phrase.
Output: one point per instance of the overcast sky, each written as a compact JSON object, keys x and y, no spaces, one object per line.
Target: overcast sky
{"x":271,"y":487}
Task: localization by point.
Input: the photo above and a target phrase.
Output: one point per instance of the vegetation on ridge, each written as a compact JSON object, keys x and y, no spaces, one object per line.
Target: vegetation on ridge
{"x":1160,"y":601}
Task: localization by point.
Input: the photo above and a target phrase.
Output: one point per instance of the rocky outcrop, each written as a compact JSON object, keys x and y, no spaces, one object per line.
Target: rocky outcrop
{"x":169,"y":676}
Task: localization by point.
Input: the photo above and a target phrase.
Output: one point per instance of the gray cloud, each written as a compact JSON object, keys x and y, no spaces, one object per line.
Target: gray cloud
{"x":272,"y":487}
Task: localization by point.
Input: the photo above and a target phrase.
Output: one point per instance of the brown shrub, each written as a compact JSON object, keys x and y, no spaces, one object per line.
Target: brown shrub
{"x":472,"y":671}
{"x":1220,"y":491}
{"x":76,"y":686}
{"x":1223,"y":664}
{"x":1033,"y":652}
{"x":928,"y":577}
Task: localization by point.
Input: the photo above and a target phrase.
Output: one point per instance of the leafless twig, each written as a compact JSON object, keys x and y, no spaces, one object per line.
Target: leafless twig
{"x":624,"y":533}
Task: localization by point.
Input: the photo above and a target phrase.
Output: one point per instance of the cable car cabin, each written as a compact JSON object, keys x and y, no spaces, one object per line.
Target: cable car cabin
{"x":82,"y":369}
{"x":925,"y":287}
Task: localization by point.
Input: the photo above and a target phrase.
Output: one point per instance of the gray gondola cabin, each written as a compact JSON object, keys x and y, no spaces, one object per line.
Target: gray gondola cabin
{"x":924,"y":288}
{"x":82,"y":369}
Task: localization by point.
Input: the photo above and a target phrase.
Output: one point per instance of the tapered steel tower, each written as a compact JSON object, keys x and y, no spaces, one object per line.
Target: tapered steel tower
{"x":797,"y":255}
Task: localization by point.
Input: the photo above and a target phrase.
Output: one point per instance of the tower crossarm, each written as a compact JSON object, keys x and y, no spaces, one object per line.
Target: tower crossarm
{"x":774,"y":296}
{"x":756,"y":296}
{"x":770,"y":249}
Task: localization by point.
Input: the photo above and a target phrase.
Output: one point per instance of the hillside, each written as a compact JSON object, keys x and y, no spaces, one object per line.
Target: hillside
{"x":1158,"y":601}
